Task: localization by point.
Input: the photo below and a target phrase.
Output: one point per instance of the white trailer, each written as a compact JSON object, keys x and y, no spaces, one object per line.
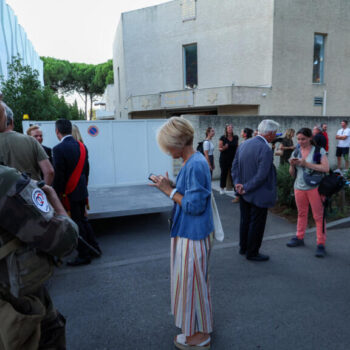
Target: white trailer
{"x":122,"y":154}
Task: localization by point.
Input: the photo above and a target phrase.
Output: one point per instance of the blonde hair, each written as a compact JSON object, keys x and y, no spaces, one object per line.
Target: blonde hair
{"x":76,"y":133}
{"x":289,"y":133}
{"x":177,"y":132}
{"x":32,"y":128}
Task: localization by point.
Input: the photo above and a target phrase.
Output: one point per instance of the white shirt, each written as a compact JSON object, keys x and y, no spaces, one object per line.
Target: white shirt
{"x":343,"y":132}
{"x":208,"y":146}
{"x":263,"y":139}
{"x":64,"y":137}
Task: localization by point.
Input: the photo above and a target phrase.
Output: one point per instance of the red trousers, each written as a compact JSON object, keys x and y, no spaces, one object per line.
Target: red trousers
{"x":303,"y":199}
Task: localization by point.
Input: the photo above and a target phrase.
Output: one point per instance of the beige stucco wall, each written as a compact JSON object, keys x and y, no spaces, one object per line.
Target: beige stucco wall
{"x":295,"y":23}
{"x":229,"y":35}
{"x":238,"y":110}
{"x":250,"y":52}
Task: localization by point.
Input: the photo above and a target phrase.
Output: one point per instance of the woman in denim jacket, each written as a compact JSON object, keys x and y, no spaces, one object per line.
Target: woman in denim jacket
{"x":191,"y":235}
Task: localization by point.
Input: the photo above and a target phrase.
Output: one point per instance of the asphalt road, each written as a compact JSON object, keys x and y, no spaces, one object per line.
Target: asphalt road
{"x":122,"y":300}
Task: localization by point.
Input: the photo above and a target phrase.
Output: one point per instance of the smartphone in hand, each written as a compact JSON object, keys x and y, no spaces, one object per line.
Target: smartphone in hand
{"x":152,"y":177}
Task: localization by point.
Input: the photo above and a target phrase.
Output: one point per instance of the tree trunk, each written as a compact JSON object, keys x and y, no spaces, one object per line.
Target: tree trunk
{"x":91,"y":102}
{"x":86,"y":101}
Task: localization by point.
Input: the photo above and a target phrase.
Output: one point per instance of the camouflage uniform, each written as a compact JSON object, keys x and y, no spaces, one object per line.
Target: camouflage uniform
{"x":31,"y":237}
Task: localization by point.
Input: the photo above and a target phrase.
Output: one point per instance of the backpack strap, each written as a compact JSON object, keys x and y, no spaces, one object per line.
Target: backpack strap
{"x":296,"y":153}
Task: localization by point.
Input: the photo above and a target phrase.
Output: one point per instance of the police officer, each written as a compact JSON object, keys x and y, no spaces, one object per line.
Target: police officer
{"x":34,"y":232}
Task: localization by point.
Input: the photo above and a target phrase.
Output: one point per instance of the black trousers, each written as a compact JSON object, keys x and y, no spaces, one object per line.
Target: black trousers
{"x":252,"y":227}
{"x":225,"y":165}
{"x":77,"y":209}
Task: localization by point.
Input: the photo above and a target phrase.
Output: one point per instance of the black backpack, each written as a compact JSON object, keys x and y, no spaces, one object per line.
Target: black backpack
{"x":200,"y":147}
{"x":331,"y":184}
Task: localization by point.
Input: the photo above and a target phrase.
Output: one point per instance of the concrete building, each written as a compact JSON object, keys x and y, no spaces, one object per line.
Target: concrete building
{"x":233,"y":57}
{"x":14,"y":42}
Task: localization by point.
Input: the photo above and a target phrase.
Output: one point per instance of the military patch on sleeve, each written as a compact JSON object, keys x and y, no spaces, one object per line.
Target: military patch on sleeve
{"x":40,"y":200}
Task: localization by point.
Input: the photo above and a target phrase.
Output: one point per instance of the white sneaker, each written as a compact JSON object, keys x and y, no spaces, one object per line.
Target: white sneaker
{"x":222,"y":191}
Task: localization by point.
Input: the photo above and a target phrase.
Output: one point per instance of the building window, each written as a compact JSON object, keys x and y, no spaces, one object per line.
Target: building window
{"x":190,"y":66}
{"x":188,"y":10}
{"x":318,"y":67}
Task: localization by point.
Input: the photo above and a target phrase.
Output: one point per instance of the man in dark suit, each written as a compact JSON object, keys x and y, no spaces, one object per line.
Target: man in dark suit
{"x":70,"y":159}
{"x":254,"y":177}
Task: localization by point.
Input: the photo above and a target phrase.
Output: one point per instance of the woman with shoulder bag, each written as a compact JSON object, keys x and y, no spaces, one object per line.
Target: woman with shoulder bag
{"x":306,"y":160}
{"x":191,"y":235}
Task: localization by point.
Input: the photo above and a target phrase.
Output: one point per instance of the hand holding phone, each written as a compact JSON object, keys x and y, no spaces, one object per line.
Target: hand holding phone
{"x":152,"y":178}
{"x":294,"y":161}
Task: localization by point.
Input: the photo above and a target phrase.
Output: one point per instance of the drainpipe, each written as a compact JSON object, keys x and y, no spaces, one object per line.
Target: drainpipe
{"x":324,"y":110}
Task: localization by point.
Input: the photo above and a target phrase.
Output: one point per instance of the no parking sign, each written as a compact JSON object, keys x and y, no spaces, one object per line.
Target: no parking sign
{"x":93,"y":130}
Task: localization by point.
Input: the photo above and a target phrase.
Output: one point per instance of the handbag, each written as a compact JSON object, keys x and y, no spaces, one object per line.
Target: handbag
{"x":312,"y":178}
{"x":218,"y":230}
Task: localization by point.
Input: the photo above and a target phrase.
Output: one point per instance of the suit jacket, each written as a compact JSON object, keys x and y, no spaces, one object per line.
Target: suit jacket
{"x":65,"y":159}
{"x":253,"y":167}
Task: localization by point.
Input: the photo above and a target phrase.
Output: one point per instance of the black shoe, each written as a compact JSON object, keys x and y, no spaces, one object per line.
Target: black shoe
{"x":96,"y":254}
{"x":320,"y":251}
{"x":242,"y":251}
{"x":79,"y":261}
{"x":295,"y":242}
{"x":259,"y":257}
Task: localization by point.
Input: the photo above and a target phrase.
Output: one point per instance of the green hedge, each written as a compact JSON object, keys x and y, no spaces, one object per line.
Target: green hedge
{"x":285,"y":190}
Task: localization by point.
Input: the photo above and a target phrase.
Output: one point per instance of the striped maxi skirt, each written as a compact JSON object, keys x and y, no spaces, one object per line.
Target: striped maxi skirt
{"x":190,"y":291}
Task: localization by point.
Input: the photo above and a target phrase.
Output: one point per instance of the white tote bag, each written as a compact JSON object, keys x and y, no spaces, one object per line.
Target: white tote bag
{"x":218,"y":231}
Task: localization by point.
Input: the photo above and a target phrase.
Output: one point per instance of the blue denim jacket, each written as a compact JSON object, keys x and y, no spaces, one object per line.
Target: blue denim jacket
{"x":194,"y":218}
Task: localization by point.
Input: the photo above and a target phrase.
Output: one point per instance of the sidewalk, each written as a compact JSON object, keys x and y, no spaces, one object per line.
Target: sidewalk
{"x":215,"y":185}
{"x":294,"y":301}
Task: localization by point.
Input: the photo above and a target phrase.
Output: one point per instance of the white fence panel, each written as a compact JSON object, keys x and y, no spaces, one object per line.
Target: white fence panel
{"x":120,"y":152}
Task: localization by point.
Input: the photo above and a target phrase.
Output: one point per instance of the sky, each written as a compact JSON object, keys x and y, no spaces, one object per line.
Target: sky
{"x":74,"y":30}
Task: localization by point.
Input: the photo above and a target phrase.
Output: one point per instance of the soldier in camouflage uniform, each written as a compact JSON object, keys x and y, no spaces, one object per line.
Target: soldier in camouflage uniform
{"x":34,"y":232}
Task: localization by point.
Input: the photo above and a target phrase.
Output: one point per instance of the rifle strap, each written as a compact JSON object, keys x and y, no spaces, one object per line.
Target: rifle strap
{"x":9,"y":247}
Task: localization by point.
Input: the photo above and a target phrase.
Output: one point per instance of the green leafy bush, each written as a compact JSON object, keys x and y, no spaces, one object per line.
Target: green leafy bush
{"x":285,"y":190}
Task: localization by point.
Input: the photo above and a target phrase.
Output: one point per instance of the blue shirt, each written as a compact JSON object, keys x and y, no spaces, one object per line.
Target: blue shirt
{"x":194,"y":218}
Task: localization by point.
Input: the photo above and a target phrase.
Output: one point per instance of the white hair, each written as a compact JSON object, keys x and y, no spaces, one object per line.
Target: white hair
{"x":267,"y":126}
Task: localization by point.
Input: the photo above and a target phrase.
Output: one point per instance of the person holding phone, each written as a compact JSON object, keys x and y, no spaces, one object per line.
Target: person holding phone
{"x":305,"y":194}
{"x":191,"y":235}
